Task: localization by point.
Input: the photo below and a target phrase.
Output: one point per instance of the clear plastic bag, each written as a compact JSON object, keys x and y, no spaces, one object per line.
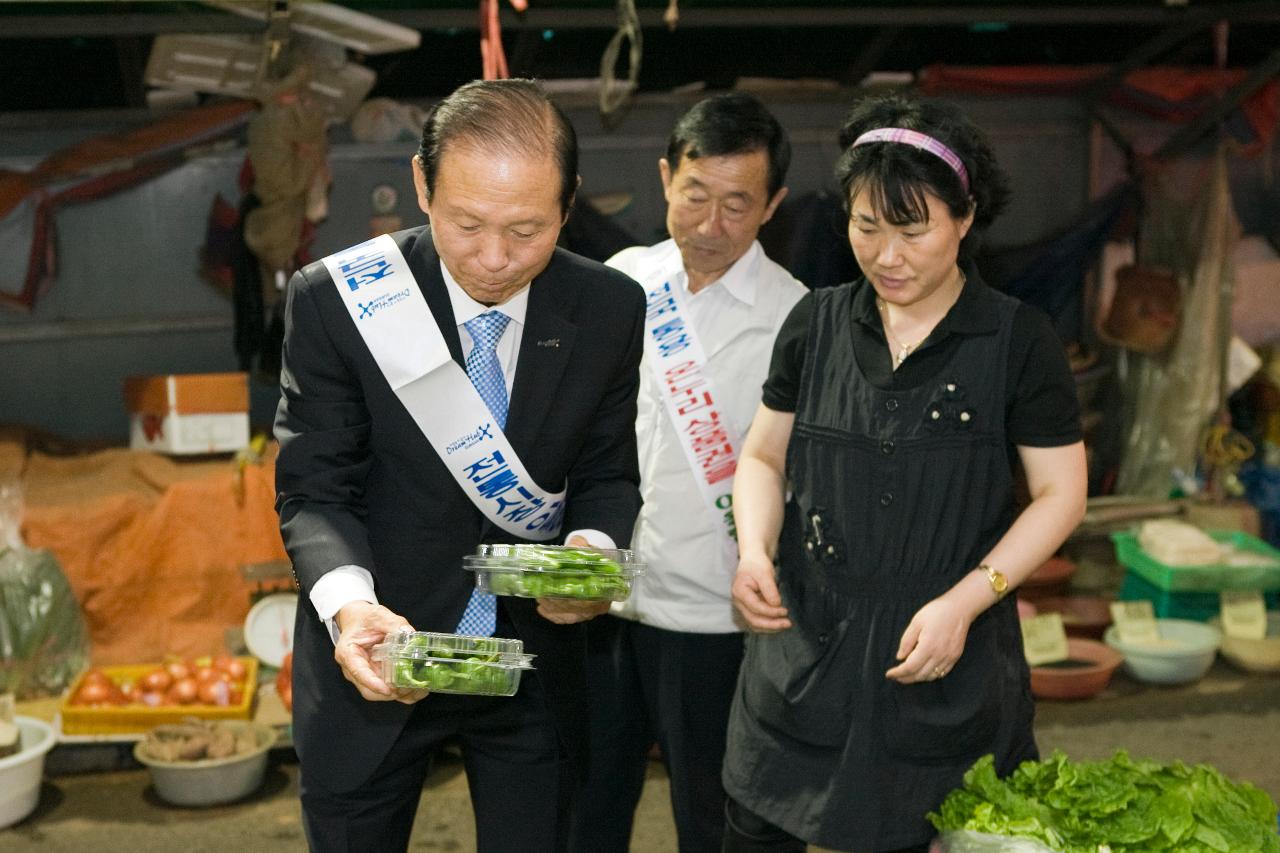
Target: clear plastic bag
{"x":44,"y":644}
{"x":965,"y":841}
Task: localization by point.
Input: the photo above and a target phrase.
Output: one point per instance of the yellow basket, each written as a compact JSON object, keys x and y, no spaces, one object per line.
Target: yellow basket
{"x":131,"y":719}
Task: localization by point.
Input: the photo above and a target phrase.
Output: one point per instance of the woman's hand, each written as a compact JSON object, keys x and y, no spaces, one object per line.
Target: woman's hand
{"x":755,"y":595}
{"x":932,"y":643}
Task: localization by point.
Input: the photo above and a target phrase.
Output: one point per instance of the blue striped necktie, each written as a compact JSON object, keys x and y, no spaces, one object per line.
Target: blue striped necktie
{"x":485,"y":372}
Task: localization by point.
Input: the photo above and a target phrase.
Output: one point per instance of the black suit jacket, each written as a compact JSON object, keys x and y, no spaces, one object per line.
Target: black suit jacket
{"x":359,"y":484}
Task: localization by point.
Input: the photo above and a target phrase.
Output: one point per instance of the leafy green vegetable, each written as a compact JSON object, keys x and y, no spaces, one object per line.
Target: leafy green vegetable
{"x":1120,"y":805}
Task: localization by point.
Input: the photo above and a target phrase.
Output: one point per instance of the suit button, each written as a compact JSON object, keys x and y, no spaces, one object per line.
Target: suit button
{"x":891,"y":404}
{"x":822,"y":639}
{"x":886,"y":498}
{"x":886,"y":447}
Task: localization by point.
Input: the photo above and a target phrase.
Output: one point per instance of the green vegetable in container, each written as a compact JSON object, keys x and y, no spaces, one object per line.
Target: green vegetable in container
{"x":476,"y":670}
{"x":1119,"y":805}
{"x":539,"y":572}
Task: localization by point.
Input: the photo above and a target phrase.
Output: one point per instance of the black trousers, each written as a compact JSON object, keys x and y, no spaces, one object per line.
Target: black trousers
{"x":747,"y":832}
{"x":519,"y":780}
{"x":649,"y":685}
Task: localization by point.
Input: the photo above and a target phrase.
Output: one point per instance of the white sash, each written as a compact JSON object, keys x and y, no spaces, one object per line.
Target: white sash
{"x":401,"y":333}
{"x":678,"y":363}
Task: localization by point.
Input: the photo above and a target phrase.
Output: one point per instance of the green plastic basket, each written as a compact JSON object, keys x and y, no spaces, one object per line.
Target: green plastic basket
{"x":1211,"y":578}
{"x":1201,"y":606}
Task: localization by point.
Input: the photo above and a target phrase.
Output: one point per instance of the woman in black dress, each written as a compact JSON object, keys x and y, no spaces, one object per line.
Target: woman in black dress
{"x":885,"y":655}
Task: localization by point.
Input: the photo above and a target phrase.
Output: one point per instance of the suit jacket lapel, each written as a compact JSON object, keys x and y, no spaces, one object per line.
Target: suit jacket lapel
{"x":545,"y":350}
{"x":425,"y":265}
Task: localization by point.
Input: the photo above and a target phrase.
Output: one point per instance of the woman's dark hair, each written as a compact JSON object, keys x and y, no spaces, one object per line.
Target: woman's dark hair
{"x":509,"y":116}
{"x":899,"y":175}
{"x":731,"y":123}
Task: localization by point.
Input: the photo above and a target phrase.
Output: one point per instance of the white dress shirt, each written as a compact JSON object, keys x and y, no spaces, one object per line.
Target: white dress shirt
{"x":686,"y":583}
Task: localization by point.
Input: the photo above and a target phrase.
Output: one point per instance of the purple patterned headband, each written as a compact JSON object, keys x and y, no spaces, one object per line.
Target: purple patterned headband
{"x":921,"y":141}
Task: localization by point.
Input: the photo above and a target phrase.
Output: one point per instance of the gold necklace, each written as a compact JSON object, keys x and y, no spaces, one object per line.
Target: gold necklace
{"x":905,"y":350}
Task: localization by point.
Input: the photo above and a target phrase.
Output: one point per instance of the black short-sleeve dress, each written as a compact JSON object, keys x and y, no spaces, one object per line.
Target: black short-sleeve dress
{"x":900,"y":481}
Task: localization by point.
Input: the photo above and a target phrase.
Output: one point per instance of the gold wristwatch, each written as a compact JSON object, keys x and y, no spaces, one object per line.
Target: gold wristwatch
{"x":999,"y":583}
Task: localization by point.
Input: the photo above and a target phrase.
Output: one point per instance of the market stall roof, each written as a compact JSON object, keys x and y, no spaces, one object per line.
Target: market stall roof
{"x":105,"y":43}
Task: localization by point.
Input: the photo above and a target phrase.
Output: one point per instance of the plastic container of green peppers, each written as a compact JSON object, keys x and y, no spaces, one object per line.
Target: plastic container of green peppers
{"x":554,"y":571}
{"x":452,"y":663}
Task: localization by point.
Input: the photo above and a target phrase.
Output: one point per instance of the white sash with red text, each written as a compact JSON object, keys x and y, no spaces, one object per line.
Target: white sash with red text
{"x":397,"y":326}
{"x":679,"y":363}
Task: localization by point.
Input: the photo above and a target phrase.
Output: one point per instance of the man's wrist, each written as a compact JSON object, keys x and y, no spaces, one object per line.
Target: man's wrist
{"x":350,"y":610}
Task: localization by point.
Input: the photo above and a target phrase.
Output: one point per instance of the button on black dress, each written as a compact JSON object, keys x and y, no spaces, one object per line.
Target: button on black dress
{"x":896,"y":495}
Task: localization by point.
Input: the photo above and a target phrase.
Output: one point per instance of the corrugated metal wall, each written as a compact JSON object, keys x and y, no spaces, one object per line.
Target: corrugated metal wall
{"x":128,"y":299}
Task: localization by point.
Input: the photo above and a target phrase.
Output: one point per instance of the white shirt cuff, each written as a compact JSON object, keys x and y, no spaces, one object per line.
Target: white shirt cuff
{"x":596,"y":538}
{"x":339,"y":587}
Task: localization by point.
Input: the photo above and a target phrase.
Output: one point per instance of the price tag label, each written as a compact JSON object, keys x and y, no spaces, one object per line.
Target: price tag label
{"x":1244,"y":614}
{"x":1044,"y":639}
{"x":1135,"y":622}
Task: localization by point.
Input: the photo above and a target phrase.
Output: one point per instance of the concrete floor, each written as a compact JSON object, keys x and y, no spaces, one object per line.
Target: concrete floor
{"x":1230,"y":720}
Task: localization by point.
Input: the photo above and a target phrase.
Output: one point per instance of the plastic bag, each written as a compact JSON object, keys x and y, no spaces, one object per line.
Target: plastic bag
{"x":965,"y":841}
{"x":43,"y":641}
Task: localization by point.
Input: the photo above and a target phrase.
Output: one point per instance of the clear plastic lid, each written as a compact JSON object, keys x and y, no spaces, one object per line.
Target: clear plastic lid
{"x":567,"y":559}
{"x":428,"y":645}
{"x":453,"y":663}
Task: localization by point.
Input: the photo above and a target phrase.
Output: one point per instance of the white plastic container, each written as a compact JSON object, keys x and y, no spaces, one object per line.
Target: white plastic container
{"x":554,"y":571}
{"x":1185,"y":653}
{"x":20,"y":773}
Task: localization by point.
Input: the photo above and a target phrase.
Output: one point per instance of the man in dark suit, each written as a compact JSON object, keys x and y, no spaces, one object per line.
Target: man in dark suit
{"x":376,"y":523}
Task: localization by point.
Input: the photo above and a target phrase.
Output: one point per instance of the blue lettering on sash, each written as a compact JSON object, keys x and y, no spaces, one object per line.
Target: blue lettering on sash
{"x":659,"y":302}
{"x":373,"y":271}
{"x":671,"y":337}
{"x":498,"y":482}
{"x":549,"y":520}
{"x":475,"y":471}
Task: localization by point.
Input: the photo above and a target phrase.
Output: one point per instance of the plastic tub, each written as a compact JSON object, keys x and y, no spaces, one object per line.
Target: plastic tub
{"x":453,"y":663}
{"x":1254,"y":655}
{"x":1186,"y":652}
{"x":210,"y":781}
{"x":554,"y":571}
{"x":20,"y":773}
{"x":1049,"y":579}
{"x":1077,"y":682}
{"x":1082,"y":615}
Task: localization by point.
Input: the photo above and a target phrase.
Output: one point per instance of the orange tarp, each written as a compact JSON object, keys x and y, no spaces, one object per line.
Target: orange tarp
{"x":153,"y":547}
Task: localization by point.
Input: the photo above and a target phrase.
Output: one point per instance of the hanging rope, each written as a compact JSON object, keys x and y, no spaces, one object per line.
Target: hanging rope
{"x":671,"y":17}
{"x":614,"y":94}
{"x":493,"y":58}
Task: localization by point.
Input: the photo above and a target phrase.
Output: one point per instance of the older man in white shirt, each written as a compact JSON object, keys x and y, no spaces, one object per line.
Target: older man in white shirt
{"x":664,"y":664}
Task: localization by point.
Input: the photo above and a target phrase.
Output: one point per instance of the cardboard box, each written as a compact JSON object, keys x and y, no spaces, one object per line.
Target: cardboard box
{"x":188,"y":413}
